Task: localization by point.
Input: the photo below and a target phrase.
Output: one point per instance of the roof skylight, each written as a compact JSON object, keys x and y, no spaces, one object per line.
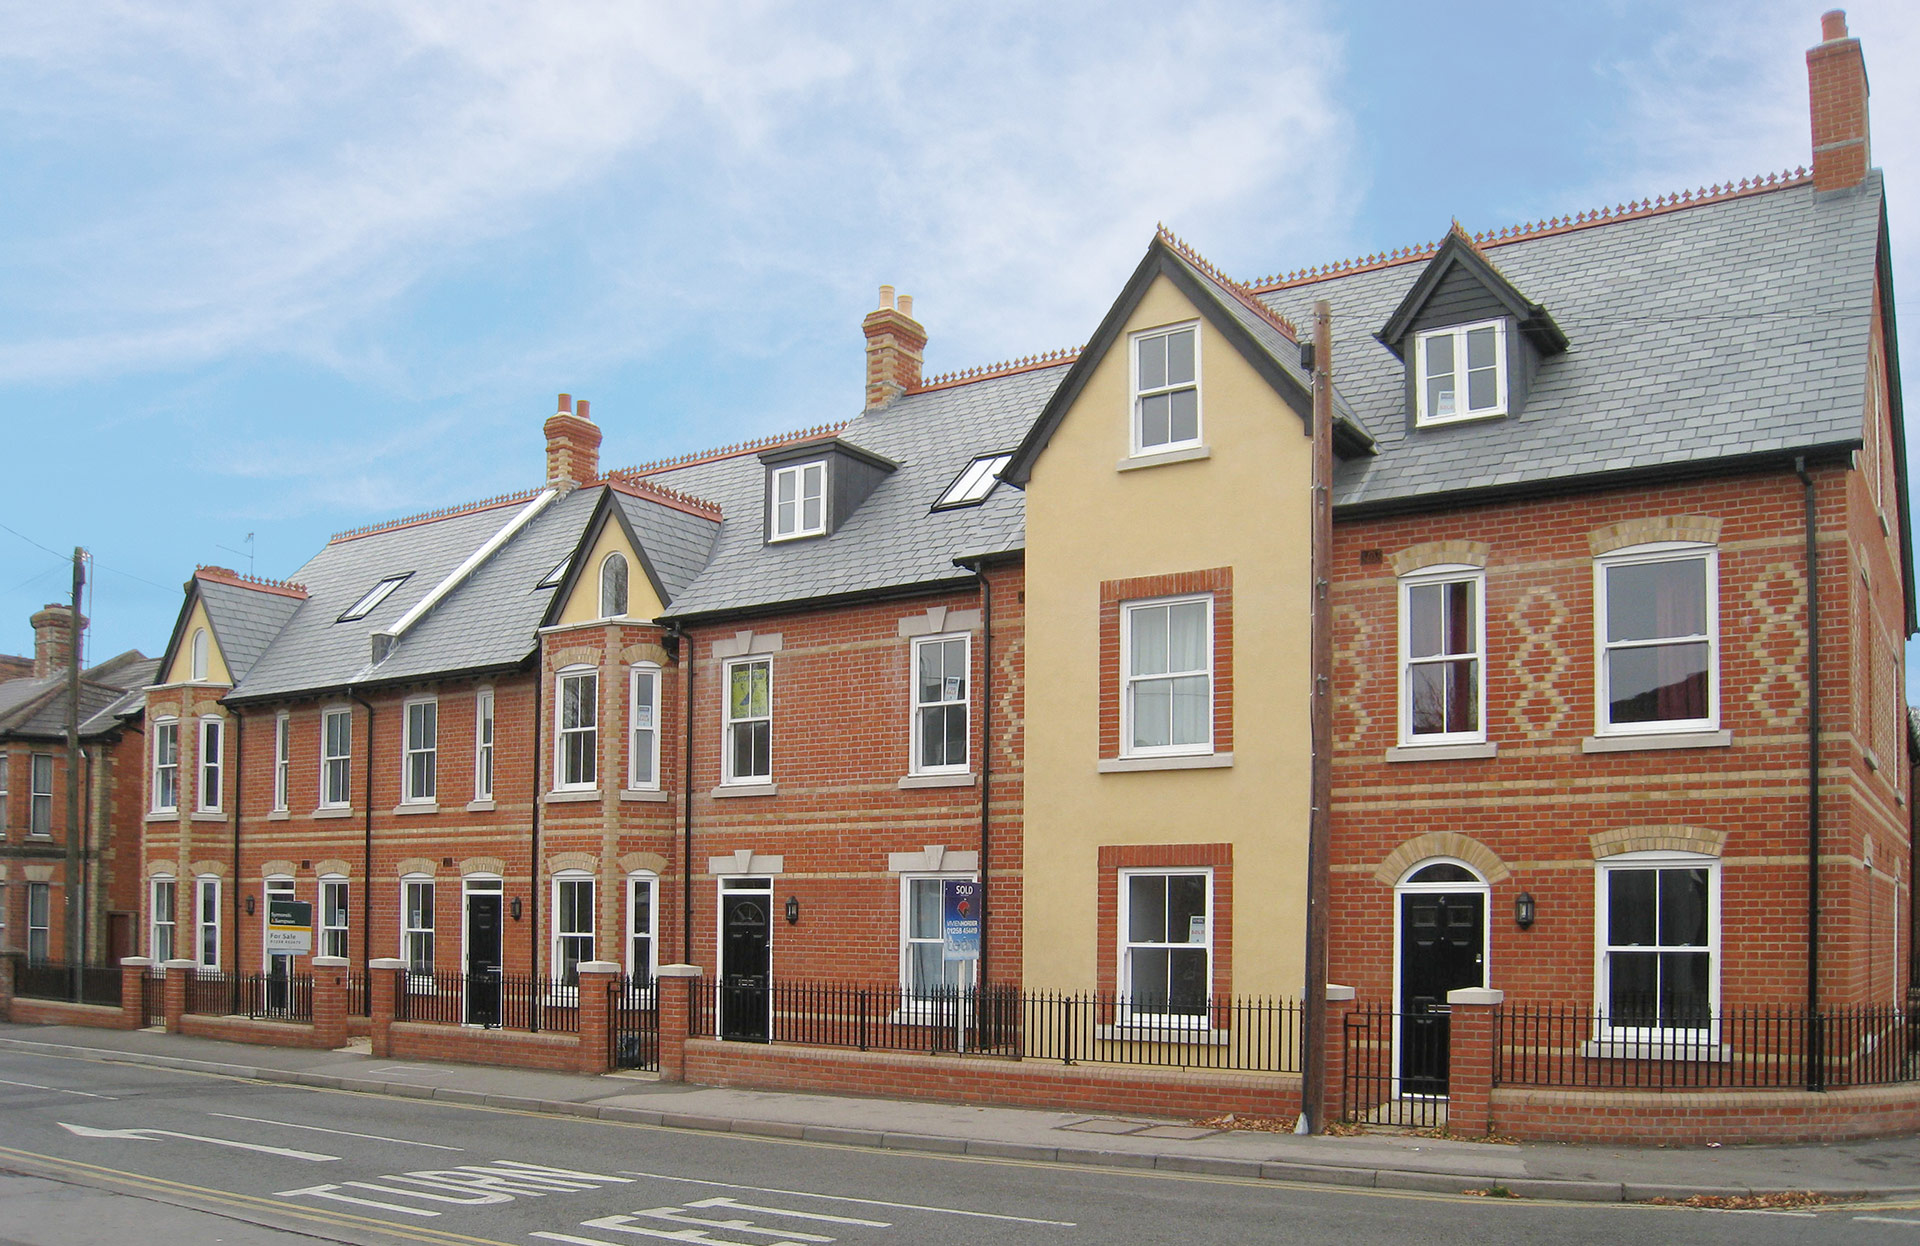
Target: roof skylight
{"x":552,"y":578}
{"x":975,"y":482}
{"x":372,"y":598}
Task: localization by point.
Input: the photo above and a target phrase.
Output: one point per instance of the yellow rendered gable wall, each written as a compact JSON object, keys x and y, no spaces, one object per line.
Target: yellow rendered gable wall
{"x":583,"y":606}
{"x":1245,"y":506}
{"x":181,"y":670}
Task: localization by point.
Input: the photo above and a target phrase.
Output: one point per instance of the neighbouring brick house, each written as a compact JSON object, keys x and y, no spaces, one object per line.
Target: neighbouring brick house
{"x":34,"y":881}
{"x":1044,"y":626}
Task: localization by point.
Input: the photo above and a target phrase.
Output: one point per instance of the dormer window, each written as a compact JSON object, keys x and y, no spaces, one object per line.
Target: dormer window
{"x":371,"y":599}
{"x":1166,"y":390}
{"x":799,"y":501}
{"x":1461,"y":372}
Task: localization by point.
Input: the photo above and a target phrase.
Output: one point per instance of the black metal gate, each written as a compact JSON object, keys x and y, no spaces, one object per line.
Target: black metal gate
{"x":1377,"y":1048}
{"x":633,"y":1024}
{"x":153,"y":1000}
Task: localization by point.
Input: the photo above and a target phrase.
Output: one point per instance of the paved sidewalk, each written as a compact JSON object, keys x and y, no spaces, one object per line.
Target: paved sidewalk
{"x":1882,"y":1168}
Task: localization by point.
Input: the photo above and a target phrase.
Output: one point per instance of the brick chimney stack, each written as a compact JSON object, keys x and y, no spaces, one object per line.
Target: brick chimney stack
{"x":573,"y":446}
{"x":52,"y":639}
{"x":1837,"y":91}
{"x":895,"y":342}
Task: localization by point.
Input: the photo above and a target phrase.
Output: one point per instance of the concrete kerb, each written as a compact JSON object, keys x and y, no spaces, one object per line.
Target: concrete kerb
{"x":1351,"y":1176}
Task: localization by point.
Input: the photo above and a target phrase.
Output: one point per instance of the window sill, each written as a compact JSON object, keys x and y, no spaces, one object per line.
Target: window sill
{"x":1680,"y":1047}
{"x":207,"y":815}
{"x":343,"y":811}
{"x":1442,"y":752}
{"x":1873,"y":759}
{"x":480,"y":806}
{"x":277,"y":815}
{"x":1193,"y":761}
{"x":1159,"y":458}
{"x":745,"y":789}
{"x":909,"y":781}
{"x":646,"y":795}
{"x":1638,"y":743}
{"x":1194,"y":1035}
{"x":1448,"y":421}
{"x":573,"y":797}
{"x":408,"y":808}
{"x":164,"y":815}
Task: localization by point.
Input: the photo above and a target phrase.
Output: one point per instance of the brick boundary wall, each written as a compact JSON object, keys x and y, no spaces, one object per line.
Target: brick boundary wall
{"x":461,"y":1044}
{"x":988,"y":1079}
{"x":57,"y":1012}
{"x":1692,"y":1118}
{"x":259,"y":1033}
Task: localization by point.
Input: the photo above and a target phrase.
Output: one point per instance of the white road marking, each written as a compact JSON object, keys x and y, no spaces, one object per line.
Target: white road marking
{"x":1886,"y":1220}
{"x":723,"y":1201}
{"x":842,"y":1198}
{"x":345,"y":1133}
{"x":85,"y":1094}
{"x":149,"y":1135}
{"x":332,"y":1192}
{"x":675,"y":1215}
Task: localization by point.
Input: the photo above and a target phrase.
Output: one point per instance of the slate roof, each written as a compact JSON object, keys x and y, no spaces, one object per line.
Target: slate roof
{"x":1730,"y":328}
{"x":676,"y":543}
{"x":244,"y":620}
{"x":37,"y":708}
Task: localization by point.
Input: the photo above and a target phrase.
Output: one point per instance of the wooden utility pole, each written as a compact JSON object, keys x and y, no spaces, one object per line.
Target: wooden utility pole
{"x":76,"y":888}
{"x":1313,"y":1009}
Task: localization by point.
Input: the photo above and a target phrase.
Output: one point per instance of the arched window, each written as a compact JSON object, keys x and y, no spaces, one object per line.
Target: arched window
{"x":200,"y":653}
{"x":613,"y":586}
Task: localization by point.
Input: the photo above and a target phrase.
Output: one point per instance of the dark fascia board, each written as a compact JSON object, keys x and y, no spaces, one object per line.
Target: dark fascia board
{"x":333,"y":692}
{"x":797,"y":605}
{"x":1896,"y":415}
{"x":825,"y":445}
{"x":1830,"y":454}
{"x":998,"y":558}
{"x":1160,"y":260}
{"x":1533,"y":319}
{"x":596,"y":523}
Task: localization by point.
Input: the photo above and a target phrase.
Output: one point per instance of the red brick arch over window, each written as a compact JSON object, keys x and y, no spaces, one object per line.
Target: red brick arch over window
{"x":1117,"y":857}
{"x":1114,"y":593}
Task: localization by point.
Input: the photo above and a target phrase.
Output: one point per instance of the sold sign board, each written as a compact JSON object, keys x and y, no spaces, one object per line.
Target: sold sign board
{"x":290,"y":927}
{"x":960,"y":900}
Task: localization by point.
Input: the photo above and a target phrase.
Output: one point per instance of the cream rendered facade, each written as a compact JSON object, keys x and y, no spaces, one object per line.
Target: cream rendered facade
{"x":1094,"y":516}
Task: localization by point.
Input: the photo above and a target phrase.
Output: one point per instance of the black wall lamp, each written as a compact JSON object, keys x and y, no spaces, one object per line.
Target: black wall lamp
{"x":793,"y":910}
{"x":249,"y":906}
{"x":1523,"y":910}
{"x":514,"y":908}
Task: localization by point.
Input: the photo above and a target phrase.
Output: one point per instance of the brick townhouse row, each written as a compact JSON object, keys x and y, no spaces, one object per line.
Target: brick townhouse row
{"x":1620,"y":585}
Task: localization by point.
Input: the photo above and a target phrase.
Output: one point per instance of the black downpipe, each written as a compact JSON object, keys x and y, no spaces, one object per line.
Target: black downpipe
{"x":366,"y":856}
{"x":1816,"y":1075}
{"x":686,"y":813}
{"x":986,"y":766}
{"x":533,"y":861}
{"x":89,"y":894}
{"x":239,"y":779}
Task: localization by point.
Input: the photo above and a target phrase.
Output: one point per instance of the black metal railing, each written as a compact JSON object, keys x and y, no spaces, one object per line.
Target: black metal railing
{"x":1397,"y":1067}
{"x":633,"y":1024}
{"x":212,"y":993}
{"x":153,"y":999}
{"x":491,"y":1000}
{"x":1764,"y":1046}
{"x":274,"y":997}
{"x":359,"y":1000}
{"x":1094,"y":1027}
{"x":66,"y":982}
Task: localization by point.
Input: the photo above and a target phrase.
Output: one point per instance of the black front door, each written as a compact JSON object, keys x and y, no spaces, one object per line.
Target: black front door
{"x":746,"y":929}
{"x":1440,"y":951}
{"x":483,"y":958}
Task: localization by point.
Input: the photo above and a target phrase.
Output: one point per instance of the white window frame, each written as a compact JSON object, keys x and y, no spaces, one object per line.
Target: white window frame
{"x":166,"y":766}
{"x":1431,"y":577}
{"x":4,"y":946}
{"x":917,"y":763}
{"x":411,"y":934}
{"x":1128,"y":679}
{"x":1423,"y":417}
{"x":39,"y":799}
{"x":589,"y":731}
{"x":426,"y":746}
{"x":344,"y":761}
{"x":728,"y":722}
{"x":282,"y":760}
{"x":1696,"y":1042}
{"x":163,"y":918}
{"x":5,"y":760}
{"x":483,"y":752}
{"x":1131,"y":1015}
{"x":974,"y":483}
{"x":626,"y":585}
{"x":643,"y":972}
{"x":197,"y":655}
{"x":370,"y":600}
{"x":643,"y":748}
{"x":1136,"y":443}
{"x":39,"y":932}
{"x":911,"y":1000}
{"x":1662,"y":551}
{"x":211,"y":765}
{"x":335,"y":934}
{"x":800,"y":474}
{"x":558,"y":937}
{"x":206,"y":921}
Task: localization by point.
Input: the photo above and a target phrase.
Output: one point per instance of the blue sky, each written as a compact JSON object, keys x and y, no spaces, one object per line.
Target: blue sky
{"x":282,"y":270}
